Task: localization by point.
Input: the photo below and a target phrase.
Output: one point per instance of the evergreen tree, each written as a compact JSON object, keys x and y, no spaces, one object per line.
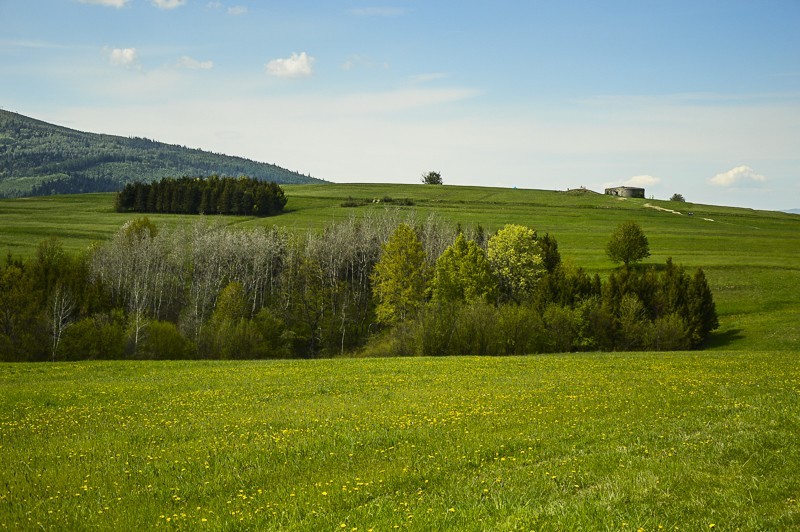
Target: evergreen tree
{"x":702,"y":312}
{"x":398,"y":280}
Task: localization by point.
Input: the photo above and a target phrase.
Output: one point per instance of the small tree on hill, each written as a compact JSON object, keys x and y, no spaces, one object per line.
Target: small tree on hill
{"x":677,"y":197}
{"x":432,"y":178}
{"x":628,"y":244}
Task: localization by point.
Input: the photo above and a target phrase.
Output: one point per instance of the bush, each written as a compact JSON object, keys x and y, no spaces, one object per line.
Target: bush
{"x":520,"y":330}
{"x":163,"y":341}
{"x":562,"y":325}
{"x":94,"y":338}
{"x":476,"y":331}
{"x":668,"y":333}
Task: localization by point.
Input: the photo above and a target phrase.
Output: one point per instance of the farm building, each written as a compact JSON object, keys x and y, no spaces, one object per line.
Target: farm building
{"x":625,"y":192}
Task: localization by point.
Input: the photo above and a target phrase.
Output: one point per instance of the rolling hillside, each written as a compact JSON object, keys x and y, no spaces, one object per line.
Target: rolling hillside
{"x":749,"y":256}
{"x":37,"y":158}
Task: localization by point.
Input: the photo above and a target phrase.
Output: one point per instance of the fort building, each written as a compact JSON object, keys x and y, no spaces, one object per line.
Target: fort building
{"x":625,"y":192}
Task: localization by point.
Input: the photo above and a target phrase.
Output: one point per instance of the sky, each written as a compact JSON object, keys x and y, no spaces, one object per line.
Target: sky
{"x":698,"y":97}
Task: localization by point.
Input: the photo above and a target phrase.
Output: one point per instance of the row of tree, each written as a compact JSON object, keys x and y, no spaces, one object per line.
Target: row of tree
{"x":213,"y":195}
{"x":379,"y":285}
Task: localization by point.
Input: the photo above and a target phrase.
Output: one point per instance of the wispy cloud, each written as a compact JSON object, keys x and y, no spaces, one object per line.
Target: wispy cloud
{"x":377,"y":11}
{"x":125,"y":57}
{"x":433,"y":76}
{"x":296,"y":66}
{"x":110,"y":3}
{"x":237,"y":10}
{"x":360,"y":61}
{"x":738,"y":175}
{"x":193,"y":64}
{"x":168,"y":4}
{"x":43,"y":45}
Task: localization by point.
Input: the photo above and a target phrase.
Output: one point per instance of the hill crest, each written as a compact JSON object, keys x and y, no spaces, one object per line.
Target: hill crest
{"x":39,"y":158}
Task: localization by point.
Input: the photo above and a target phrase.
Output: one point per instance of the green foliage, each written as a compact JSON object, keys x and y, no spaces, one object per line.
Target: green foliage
{"x":462,"y":274}
{"x":399,"y":277}
{"x":231,"y":303}
{"x":37,"y":158}
{"x":516,"y":260}
{"x":628,"y":244}
{"x":99,"y":336}
{"x":677,"y":197}
{"x":748,"y":270}
{"x":551,"y":258}
{"x":645,"y":303}
{"x":139,"y":229}
{"x":432,"y":178}
{"x":215,"y":195}
{"x":700,"y":312}
{"x":163,"y":341}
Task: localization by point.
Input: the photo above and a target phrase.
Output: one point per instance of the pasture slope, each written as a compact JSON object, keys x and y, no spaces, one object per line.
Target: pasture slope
{"x":694,"y":441}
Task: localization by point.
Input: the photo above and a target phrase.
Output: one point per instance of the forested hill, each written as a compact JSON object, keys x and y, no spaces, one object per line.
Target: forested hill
{"x":37,"y":158}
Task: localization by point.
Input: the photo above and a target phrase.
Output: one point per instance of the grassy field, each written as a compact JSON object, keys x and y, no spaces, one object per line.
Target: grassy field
{"x":687,"y":441}
{"x":694,"y":441}
{"x":750,"y":257}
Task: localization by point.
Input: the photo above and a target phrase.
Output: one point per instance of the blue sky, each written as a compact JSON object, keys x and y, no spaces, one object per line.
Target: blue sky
{"x":698,"y":97}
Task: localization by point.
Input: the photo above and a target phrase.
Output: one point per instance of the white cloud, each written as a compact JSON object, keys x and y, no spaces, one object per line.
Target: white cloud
{"x":642,"y":181}
{"x":296,"y":66}
{"x":237,"y":10}
{"x":193,"y":64}
{"x":377,"y":11}
{"x":123,"y":57}
{"x":214,"y":5}
{"x":168,"y":4}
{"x":109,"y":3}
{"x":737,"y":175}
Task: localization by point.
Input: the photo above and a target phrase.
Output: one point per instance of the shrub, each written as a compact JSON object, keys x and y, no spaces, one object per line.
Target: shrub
{"x":163,"y":341}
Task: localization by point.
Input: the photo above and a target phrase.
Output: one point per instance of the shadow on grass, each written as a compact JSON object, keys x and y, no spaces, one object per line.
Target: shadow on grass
{"x":723,"y":338}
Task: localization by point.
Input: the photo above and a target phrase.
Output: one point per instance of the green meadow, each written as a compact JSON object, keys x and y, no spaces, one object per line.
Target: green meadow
{"x":750,"y":257}
{"x":689,"y":440}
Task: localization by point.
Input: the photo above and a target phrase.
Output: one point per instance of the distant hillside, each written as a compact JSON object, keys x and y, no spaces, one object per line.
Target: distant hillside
{"x":793,"y":211}
{"x":37,"y":158}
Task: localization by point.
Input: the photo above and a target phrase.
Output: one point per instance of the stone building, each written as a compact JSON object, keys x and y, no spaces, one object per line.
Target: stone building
{"x":625,"y":192}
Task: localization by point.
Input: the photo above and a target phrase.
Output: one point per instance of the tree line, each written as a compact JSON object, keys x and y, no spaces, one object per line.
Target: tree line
{"x":384,"y":284}
{"x":213,"y":195}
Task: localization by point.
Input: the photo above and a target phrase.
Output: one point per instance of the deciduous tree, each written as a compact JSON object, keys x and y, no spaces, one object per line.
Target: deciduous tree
{"x":432,"y":178}
{"x":463,"y":274}
{"x":516,"y":260}
{"x":628,"y":244}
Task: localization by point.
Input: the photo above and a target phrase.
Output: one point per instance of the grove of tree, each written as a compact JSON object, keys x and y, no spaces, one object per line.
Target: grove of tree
{"x":214,"y":195}
{"x":384,"y":284}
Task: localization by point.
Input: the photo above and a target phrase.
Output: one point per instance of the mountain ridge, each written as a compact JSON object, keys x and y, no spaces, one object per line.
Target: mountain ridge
{"x":39,"y":158}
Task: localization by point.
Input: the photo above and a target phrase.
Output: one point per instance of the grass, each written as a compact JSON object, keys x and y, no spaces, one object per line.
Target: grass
{"x":600,"y":441}
{"x":692,"y":441}
{"x":750,"y":257}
